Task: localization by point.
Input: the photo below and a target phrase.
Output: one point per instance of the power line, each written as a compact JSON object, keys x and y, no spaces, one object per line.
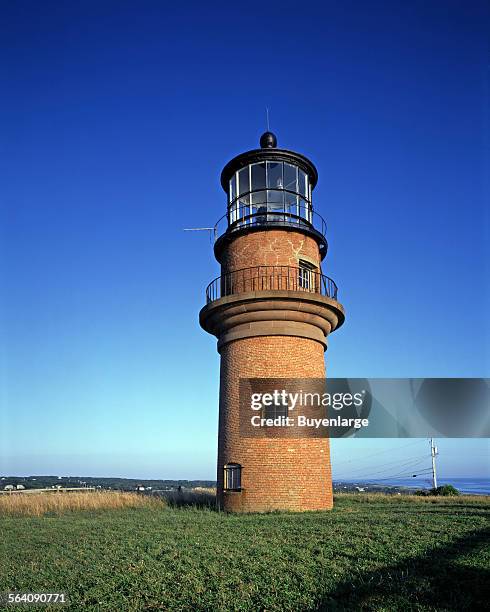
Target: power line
{"x":383,"y":451}
{"x":425,"y":472}
{"x":407,"y":471}
{"x":389,"y":464}
{"x":385,"y":473}
{"x":405,"y":468}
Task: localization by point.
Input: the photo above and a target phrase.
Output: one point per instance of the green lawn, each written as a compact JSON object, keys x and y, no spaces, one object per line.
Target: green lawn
{"x":372,"y":555}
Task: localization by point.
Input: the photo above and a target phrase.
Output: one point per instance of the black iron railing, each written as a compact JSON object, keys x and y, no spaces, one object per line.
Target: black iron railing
{"x":270,"y":278}
{"x":266,"y":214}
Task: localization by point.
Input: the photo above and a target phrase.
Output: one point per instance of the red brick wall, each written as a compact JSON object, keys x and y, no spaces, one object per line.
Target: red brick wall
{"x":292,"y":474}
{"x":269,"y":248}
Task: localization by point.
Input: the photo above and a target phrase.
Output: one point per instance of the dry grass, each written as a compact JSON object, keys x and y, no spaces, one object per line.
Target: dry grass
{"x":57,"y":503}
{"x":429,"y":499}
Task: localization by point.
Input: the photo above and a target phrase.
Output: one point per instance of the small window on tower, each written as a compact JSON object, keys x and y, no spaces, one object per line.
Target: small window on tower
{"x":233,"y":477}
{"x":306,"y":275}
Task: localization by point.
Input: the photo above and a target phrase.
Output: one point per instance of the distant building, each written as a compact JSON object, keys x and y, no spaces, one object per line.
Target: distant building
{"x":8,"y":487}
{"x":20,"y":487}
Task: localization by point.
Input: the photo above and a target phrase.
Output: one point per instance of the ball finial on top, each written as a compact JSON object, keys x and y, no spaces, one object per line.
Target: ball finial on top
{"x":268,"y":140}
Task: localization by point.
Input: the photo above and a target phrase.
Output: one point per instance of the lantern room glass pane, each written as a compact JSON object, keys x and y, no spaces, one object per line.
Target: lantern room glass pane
{"x":258,"y":176}
{"x":260,"y":212}
{"x":291,"y":203}
{"x":233,"y":192}
{"x":234,"y":212}
{"x":275,"y":200}
{"x":290,"y":177}
{"x":302,"y":184}
{"x":302,"y":207}
{"x":308,"y":213}
{"x":258,"y":198}
{"x":258,"y":203}
{"x":243,"y":181}
{"x":243,"y":206}
{"x":274,"y":175}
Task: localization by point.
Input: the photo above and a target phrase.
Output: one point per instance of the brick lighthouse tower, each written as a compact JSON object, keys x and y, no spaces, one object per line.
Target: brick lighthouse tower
{"x":271,"y":311}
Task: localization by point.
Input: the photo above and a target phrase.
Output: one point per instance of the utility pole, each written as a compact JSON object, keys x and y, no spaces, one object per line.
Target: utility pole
{"x":433,"y":454}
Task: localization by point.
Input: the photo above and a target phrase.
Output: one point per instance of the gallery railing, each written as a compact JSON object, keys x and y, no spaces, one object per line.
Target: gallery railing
{"x":270,"y":278}
{"x":267,"y":215}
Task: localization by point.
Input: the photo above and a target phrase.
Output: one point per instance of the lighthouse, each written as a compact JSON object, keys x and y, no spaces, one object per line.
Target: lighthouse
{"x":271,"y":310}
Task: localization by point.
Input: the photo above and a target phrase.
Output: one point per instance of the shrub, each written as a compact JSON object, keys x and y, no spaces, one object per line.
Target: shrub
{"x":445,"y":490}
{"x":199,"y":497}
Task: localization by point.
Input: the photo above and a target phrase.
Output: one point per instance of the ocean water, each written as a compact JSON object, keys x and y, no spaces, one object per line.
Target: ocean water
{"x":473,"y":486}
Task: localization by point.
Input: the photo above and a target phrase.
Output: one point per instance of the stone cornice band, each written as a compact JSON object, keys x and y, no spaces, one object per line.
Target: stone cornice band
{"x":272,"y":313}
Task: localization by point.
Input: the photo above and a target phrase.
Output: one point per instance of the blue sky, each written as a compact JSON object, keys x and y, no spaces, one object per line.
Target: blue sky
{"x":116,"y":120}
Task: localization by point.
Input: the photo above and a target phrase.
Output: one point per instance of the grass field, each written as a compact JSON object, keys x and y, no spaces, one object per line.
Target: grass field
{"x":371,"y":552}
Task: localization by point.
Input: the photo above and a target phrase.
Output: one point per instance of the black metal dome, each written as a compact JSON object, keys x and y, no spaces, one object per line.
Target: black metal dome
{"x":268,"y":140}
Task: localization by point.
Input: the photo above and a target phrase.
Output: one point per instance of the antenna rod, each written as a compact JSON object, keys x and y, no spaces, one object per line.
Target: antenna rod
{"x":212,"y":231}
{"x":267,"y":113}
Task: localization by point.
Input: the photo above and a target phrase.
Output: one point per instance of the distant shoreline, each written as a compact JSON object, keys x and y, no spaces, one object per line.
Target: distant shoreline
{"x":468,"y":486}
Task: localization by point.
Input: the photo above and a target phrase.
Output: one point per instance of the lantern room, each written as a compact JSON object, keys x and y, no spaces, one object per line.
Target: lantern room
{"x":270,"y":187}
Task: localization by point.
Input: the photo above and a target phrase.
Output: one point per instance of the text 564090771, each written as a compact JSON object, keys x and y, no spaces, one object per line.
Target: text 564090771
{"x":35,"y":599}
